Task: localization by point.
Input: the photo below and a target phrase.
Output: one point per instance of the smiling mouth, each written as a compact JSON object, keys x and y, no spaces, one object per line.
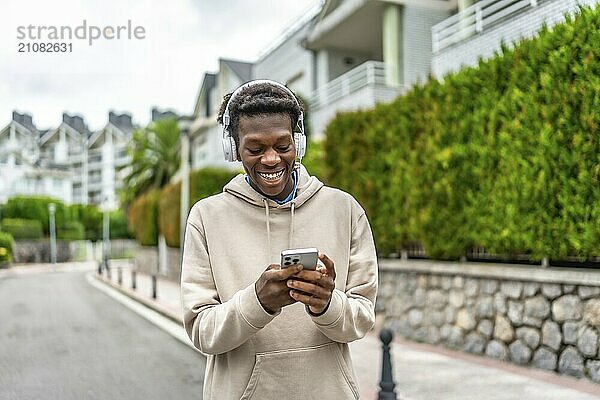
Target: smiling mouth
{"x":271,"y":177}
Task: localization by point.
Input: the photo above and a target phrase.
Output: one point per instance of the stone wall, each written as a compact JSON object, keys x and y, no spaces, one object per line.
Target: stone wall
{"x":38,"y":251}
{"x":546,"y":318}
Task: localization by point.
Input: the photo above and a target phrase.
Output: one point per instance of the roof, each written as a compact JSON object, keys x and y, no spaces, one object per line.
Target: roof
{"x":241,"y":68}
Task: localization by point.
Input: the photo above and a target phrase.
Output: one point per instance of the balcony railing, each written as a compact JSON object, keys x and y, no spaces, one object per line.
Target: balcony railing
{"x":475,"y":19}
{"x":368,"y":73}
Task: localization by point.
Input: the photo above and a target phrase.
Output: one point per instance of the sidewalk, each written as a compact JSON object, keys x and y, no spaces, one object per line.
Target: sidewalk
{"x":421,"y":371}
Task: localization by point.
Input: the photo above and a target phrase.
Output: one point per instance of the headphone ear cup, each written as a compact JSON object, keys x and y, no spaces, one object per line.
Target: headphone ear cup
{"x":300,"y":142}
{"x":229,"y":149}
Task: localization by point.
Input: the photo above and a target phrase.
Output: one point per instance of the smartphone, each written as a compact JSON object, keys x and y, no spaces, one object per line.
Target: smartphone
{"x":307,"y":257}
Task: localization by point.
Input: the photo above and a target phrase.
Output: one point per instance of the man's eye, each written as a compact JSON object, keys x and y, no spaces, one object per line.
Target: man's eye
{"x":285,"y":148}
{"x":254,"y":151}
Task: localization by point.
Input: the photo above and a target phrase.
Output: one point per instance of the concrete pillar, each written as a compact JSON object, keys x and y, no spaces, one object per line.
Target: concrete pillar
{"x":465,"y":22}
{"x":322,"y":62}
{"x":392,"y":44}
{"x":462,"y":4}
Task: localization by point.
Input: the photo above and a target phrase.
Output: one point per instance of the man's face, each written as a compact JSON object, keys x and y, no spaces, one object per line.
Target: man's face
{"x":266,"y":148}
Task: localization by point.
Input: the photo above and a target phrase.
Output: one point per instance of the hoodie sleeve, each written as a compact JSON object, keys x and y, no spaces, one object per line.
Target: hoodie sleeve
{"x":212,"y":326}
{"x":351,"y":312}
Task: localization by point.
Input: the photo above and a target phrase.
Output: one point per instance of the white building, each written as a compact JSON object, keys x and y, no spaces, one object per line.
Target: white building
{"x":21,"y":170}
{"x":342,"y":55}
{"x":65,"y":147}
{"x":107,"y":158}
{"x":479,"y":27}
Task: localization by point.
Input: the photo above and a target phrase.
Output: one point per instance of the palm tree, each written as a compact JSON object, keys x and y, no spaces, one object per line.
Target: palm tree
{"x":154,"y":155}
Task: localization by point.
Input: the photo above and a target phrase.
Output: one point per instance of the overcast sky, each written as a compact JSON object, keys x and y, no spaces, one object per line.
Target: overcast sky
{"x":183,"y":39}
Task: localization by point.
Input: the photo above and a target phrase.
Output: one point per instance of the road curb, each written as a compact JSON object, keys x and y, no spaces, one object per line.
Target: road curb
{"x":133,"y":295}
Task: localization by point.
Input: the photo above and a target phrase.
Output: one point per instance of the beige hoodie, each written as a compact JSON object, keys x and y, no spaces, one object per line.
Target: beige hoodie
{"x":230,"y":240}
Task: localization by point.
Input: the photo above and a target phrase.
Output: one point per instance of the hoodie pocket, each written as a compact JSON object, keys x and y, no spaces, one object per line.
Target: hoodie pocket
{"x":309,"y":373}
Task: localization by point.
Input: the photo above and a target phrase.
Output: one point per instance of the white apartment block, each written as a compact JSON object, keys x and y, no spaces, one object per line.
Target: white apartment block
{"x":342,"y":55}
{"x":21,"y":172}
{"x":479,"y":27}
{"x":69,"y":162}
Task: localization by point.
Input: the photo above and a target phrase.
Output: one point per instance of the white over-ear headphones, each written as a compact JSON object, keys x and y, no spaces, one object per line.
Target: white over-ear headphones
{"x":229,"y":147}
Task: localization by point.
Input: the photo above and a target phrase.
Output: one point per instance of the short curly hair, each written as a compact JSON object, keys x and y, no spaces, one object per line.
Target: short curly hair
{"x":260,"y":99}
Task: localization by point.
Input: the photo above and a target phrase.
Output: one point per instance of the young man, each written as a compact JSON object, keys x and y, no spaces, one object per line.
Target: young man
{"x":271,"y":332}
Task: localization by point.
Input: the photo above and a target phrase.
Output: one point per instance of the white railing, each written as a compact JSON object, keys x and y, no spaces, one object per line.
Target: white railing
{"x":368,"y":73}
{"x":474,"y":19}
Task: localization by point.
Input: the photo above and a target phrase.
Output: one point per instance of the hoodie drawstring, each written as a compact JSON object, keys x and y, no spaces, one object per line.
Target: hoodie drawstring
{"x":268,"y":228}
{"x":267,"y":215}
{"x":292,"y":224}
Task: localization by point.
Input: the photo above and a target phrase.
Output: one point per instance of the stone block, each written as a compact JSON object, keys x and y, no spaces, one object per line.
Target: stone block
{"x":458,"y":282}
{"x":593,"y":368}
{"x":456,"y":337}
{"x":446,"y":282}
{"x":567,"y":308}
{"x":496,"y":349}
{"x":485,"y":307}
{"x":471,"y":287}
{"x":586,"y":292}
{"x":551,"y":336}
{"x":567,"y":289}
{"x":435,"y":299}
{"x":474,"y":343}
{"x":570,"y":362}
{"x":551,"y":290}
{"x":591,"y":312}
{"x":415,"y":317}
{"x":503,"y":329}
{"x":545,"y":359}
{"x":500,"y":303}
{"x":456,"y":298}
{"x":520,"y":353}
{"x":515,"y":312}
{"x":419,"y":297}
{"x":486,"y":328}
{"x":569,"y":331}
{"x":512,"y":289}
{"x":530,"y":289}
{"x":489,"y":286}
{"x":537,"y":307}
{"x":587,"y":341}
{"x":465,"y":319}
{"x":450,"y":313}
{"x":529,"y":336}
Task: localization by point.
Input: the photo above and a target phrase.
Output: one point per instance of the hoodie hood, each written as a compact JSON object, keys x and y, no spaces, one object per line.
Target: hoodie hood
{"x":308,"y":186}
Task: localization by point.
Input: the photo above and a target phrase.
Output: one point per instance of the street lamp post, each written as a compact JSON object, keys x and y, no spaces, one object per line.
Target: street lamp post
{"x":185,"y":180}
{"x":105,"y":234}
{"x":52,"y":212}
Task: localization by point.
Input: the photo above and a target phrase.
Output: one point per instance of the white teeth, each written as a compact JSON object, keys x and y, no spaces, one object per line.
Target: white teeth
{"x":271,"y":177}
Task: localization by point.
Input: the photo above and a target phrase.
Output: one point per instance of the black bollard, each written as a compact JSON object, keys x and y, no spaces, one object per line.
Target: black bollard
{"x":120,"y":276}
{"x":154,"y":287}
{"x":133,"y":283}
{"x":387,"y":384}
{"x":100,"y":268}
{"x":108,"y":272}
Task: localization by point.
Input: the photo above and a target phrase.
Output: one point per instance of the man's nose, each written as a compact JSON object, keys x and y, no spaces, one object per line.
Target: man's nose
{"x":270,"y":157}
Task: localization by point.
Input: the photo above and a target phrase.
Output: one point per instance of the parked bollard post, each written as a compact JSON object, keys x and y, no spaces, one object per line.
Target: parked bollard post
{"x":120,"y":276}
{"x":100,"y":268}
{"x":387,"y":384}
{"x":133,"y":282}
{"x":108,"y":272}
{"x":154,"y":287}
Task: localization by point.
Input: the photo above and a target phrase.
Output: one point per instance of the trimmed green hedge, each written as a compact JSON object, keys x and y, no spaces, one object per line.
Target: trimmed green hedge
{"x":6,"y":248}
{"x":72,"y":230}
{"x":142,"y":218}
{"x":20,"y":228}
{"x":36,"y":207}
{"x":203,"y":183}
{"x":90,"y":217}
{"x":505,"y":155}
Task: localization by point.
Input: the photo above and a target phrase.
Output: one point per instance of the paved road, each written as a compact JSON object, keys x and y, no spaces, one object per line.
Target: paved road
{"x":62,"y":339}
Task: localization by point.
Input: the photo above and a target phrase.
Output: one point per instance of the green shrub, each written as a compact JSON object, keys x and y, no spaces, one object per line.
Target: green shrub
{"x":36,"y":208}
{"x":72,"y":230}
{"x":314,"y":160}
{"x":503,"y":155}
{"x":208,"y":181}
{"x":169,"y":212}
{"x":118,"y":225}
{"x":6,"y":248}
{"x":20,"y":228}
{"x":203,"y":183}
{"x":142,"y":218}
{"x":90,"y":217}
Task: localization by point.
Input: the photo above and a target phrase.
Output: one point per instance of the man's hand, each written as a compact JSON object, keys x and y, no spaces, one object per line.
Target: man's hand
{"x":271,"y":289}
{"x":314,"y":288}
